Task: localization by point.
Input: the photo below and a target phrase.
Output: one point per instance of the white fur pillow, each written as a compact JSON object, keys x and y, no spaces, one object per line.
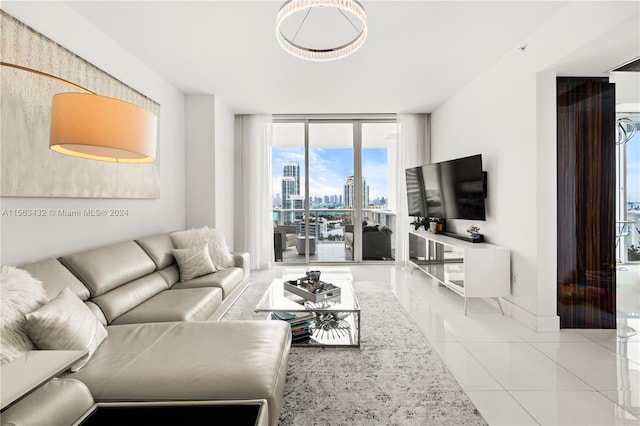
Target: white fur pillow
{"x":66,"y":323}
{"x":194,"y":237}
{"x":218,"y":249}
{"x":20,"y":293}
{"x":219,"y":252}
{"x":194,"y":262}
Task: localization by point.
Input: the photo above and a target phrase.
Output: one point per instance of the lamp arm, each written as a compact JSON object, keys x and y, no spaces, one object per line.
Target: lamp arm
{"x":44,"y":74}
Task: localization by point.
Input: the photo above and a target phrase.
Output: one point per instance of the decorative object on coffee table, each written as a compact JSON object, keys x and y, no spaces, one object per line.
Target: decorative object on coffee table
{"x":327,"y":325}
{"x":311,"y":288}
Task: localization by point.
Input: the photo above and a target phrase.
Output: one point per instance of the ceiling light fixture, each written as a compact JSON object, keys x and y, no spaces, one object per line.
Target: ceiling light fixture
{"x":291,"y":7}
{"x":95,"y":127}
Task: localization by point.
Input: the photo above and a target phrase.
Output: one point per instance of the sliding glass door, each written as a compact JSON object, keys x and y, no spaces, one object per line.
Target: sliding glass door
{"x":330,"y":174}
{"x":331,"y":160}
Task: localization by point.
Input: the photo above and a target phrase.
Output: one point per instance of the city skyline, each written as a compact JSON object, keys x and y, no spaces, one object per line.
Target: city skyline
{"x":330,"y":170}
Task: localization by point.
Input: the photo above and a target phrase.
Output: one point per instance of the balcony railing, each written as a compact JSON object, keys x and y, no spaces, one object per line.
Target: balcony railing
{"x":327,"y":226}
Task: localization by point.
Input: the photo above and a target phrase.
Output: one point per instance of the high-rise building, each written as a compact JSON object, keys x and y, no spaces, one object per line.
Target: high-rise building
{"x":349,"y":193}
{"x":291,"y":198}
{"x":292,"y":169}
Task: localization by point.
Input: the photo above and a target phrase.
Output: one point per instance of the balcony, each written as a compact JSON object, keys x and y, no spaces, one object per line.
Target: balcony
{"x":328,"y":228}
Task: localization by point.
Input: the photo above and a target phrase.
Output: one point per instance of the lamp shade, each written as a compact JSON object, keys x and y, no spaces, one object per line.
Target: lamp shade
{"x":101,"y":128}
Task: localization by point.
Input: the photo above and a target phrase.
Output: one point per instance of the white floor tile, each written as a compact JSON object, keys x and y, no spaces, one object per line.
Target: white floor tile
{"x":629,"y":400}
{"x":467,"y":371}
{"x":477,"y":328}
{"x":573,"y":408}
{"x":519,"y":366}
{"x":613,"y":371}
{"x":529,"y":335}
{"x":629,"y":350}
{"x":499,"y":408}
{"x":606,"y":335}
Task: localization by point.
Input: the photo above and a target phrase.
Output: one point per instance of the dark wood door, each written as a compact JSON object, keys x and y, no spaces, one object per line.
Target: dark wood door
{"x":586,"y":202}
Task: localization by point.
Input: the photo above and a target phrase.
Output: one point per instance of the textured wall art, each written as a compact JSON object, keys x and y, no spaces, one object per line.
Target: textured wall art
{"x":28,"y":168}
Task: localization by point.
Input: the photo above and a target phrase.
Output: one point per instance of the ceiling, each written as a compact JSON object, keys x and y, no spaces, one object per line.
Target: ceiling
{"x":417,"y":54}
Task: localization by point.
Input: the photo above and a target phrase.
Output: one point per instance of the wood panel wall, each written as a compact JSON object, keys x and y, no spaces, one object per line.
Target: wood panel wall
{"x":586,"y":202}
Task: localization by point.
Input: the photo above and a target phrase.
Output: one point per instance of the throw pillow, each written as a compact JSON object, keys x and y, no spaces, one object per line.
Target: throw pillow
{"x":218,"y":249}
{"x":66,"y":323}
{"x":193,"y":262}
{"x":190,"y":237}
{"x":20,"y":293}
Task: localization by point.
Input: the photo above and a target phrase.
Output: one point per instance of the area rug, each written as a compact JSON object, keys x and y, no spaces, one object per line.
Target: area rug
{"x":394,"y":378}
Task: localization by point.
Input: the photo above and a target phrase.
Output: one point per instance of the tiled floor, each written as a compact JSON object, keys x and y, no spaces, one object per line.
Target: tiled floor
{"x":514,"y":375}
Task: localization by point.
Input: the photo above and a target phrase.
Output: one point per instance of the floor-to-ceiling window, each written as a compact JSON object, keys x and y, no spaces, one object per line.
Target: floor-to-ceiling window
{"x":332,"y":181}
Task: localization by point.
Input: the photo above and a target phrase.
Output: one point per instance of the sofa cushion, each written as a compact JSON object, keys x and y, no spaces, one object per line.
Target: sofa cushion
{"x":158,"y":247}
{"x":194,"y":262}
{"x":171,"y":274}
{"x":226,"y":360}
{"x":20,"y":293}
{"x":126,"y":297}
{"x":105,"y":268}
{"x":65,"y":323}
{"x":195,"y":304}
{"x":225,"y":279}
{"x":55,"y":277}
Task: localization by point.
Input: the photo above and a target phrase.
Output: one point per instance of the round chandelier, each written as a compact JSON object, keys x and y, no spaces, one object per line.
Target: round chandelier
{"x":291,"y":7}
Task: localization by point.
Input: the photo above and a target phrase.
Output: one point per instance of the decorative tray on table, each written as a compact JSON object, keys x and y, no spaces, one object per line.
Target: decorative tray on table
{"x":314,"y":291}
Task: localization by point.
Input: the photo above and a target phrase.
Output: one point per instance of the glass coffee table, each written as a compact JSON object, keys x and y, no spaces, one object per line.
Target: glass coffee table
{"x":334,"y":321}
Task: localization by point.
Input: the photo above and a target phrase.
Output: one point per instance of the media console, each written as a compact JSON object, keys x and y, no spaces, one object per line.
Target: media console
{"x":469,"y":269}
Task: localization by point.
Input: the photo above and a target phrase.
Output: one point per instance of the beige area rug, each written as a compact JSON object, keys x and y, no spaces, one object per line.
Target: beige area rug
{"x":394,"y":378}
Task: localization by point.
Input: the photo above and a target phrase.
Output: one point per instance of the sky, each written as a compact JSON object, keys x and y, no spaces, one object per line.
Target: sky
{"x":330,"y":167}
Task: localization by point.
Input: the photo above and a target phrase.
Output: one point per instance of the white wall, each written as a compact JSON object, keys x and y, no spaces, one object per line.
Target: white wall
{"x":224,"y":171}
{"x":26,"y":239}
{"x":210,"y":164}
{"x":508,"y":115}
{"x":200,"y":152}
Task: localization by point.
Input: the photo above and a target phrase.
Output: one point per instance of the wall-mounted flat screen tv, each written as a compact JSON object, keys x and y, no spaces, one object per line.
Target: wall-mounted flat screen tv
{"x":455,"y":189}
{"x":415,"y":192}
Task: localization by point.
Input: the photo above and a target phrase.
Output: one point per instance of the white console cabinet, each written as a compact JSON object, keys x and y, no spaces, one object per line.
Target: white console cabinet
{"x":469,"y":269}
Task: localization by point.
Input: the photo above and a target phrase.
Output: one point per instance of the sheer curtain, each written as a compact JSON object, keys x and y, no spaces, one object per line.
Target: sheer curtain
{"x":414,"y":148}
{"x":253,"y":204}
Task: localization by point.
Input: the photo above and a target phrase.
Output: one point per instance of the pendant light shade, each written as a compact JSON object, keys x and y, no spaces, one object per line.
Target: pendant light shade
{"x":102,"y":128}
{"x":344,"y":7}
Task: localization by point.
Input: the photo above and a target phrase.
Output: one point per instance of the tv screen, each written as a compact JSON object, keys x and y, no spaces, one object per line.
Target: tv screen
{"x":415,"y":192}
{"x":455,"y":189}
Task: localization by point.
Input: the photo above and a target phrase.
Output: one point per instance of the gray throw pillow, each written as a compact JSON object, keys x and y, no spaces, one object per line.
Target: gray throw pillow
{"x":194,"y":262}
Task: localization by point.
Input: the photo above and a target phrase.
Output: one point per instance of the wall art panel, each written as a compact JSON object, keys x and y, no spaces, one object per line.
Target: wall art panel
{"x":28,"y":168}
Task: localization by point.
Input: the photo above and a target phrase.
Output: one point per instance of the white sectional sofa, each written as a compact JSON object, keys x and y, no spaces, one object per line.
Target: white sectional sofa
{"x":164,"y":342}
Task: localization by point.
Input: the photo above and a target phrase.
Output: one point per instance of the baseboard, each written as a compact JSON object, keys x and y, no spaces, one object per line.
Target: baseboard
{"x":537,"y":323}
